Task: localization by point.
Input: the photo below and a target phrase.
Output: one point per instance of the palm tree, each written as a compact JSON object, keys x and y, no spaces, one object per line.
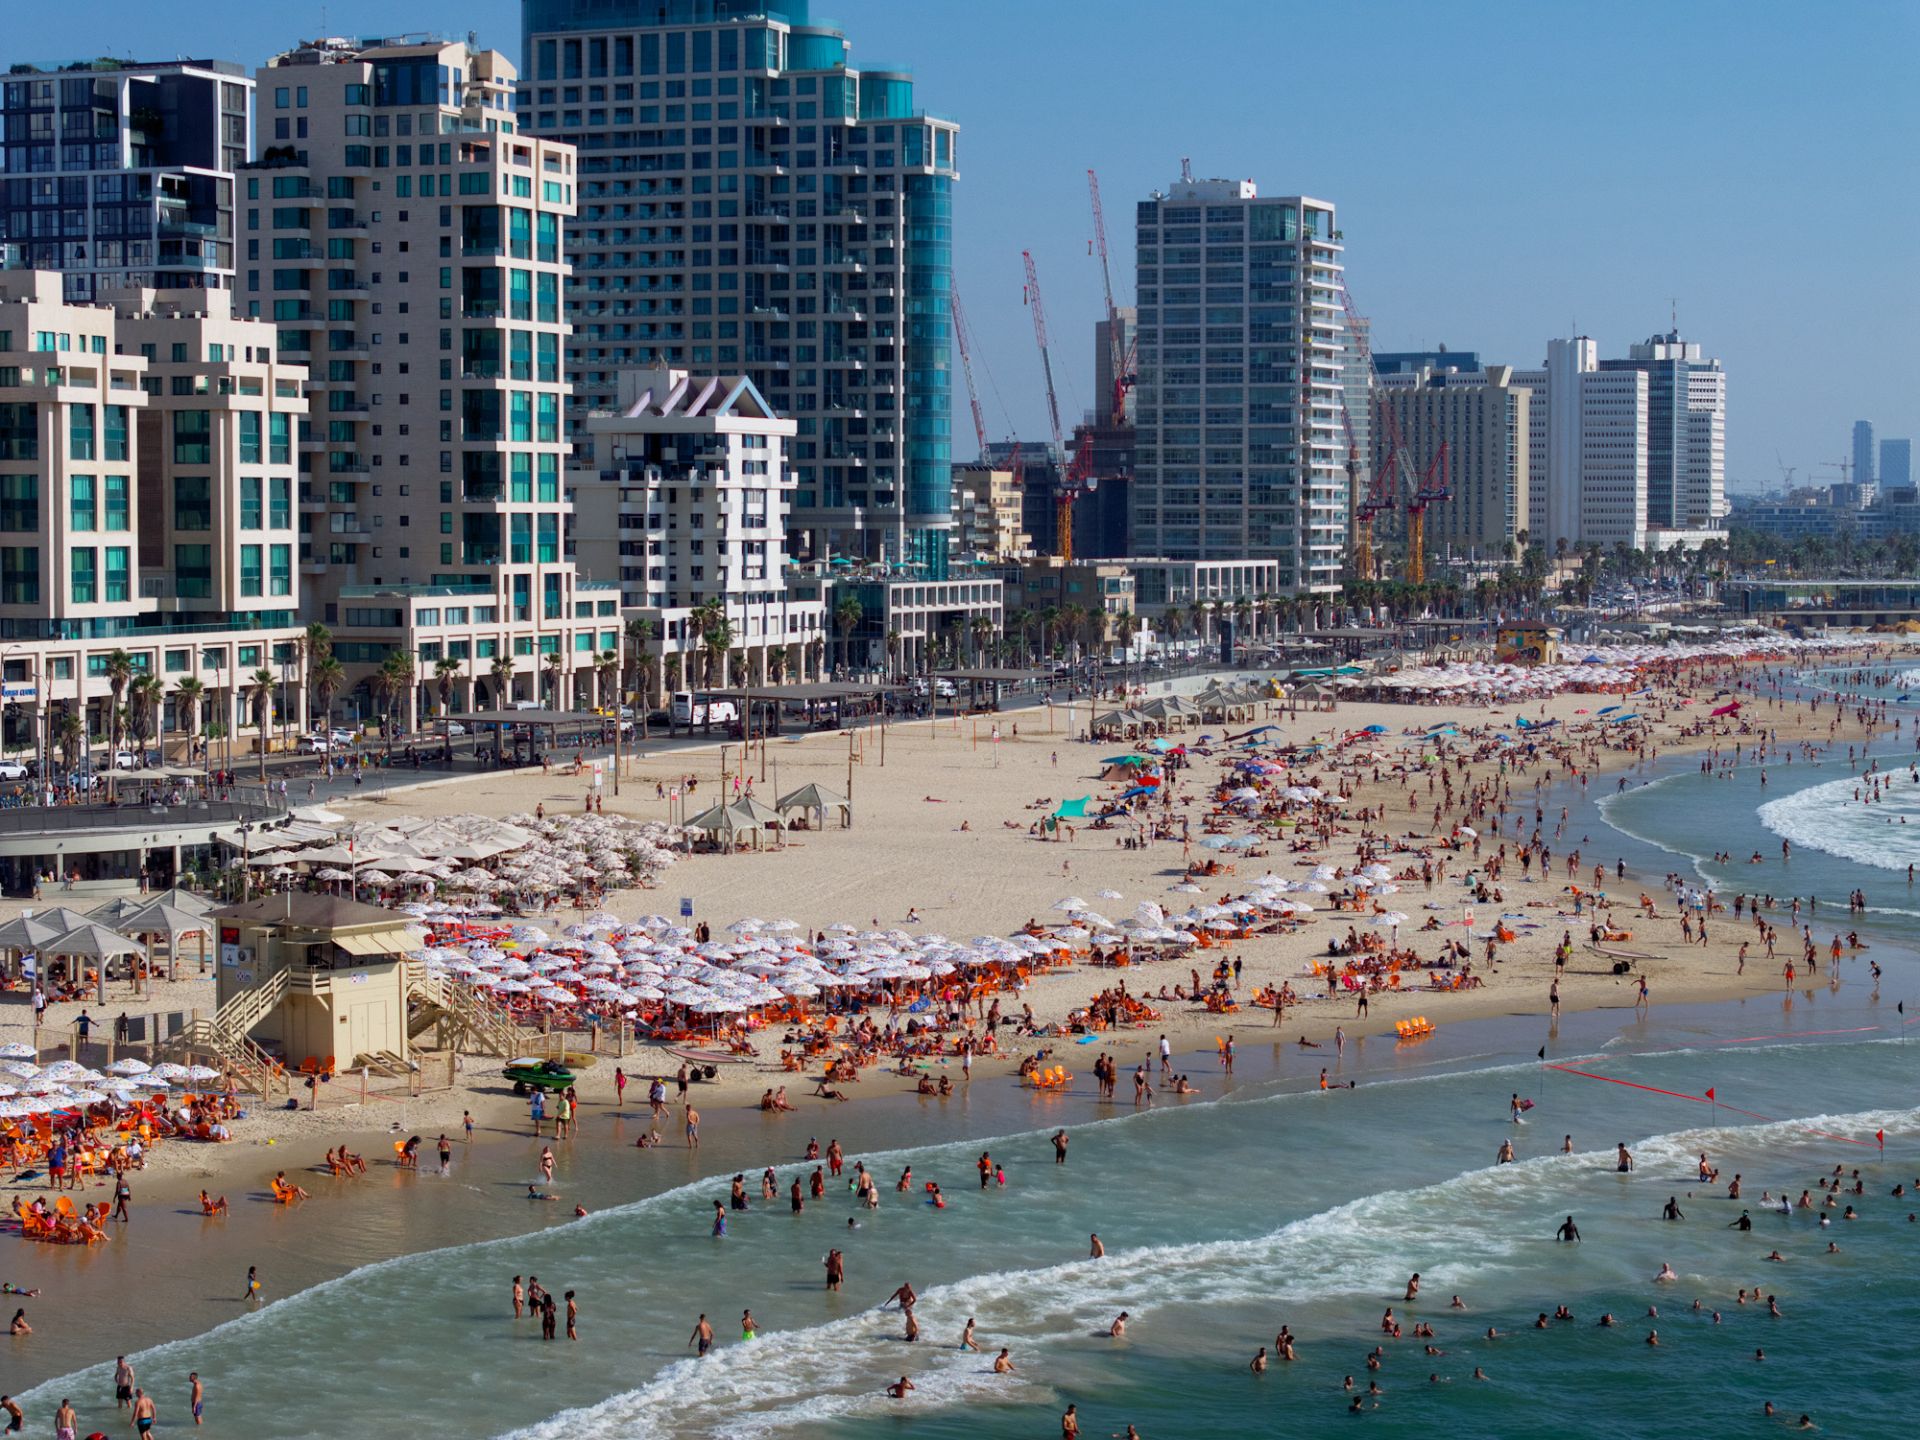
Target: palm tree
{"x":606,"y":666}
{"x":551,"y":664}
{"x":260,"y":701}
{"x":325,"y":677}
{"x":398,"y":671}
{"x":639,"y":632}
{"x":144,"y":699}
{"x":847,"y":615}
{"x":446,"y":670}
{"x":716,"y":638}
{"x":188,"y":695}
{"x":120,"y":673}
{"x":981,"y":629}
{"x":70,"y":734}
{"x":502,"y":672}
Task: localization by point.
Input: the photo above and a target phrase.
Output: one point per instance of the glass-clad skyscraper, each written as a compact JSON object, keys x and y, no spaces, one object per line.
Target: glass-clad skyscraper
{"x":751,"y":201}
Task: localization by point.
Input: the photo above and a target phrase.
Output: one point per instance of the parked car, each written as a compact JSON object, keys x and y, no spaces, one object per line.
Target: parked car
{"x":12,"y":770}
{"x":342,"y":737}
{"x":314,"y":745}
{"x":448,"y":727}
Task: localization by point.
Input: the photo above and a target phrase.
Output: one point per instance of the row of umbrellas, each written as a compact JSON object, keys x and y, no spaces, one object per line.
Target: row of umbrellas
{"x":29,"y":1089}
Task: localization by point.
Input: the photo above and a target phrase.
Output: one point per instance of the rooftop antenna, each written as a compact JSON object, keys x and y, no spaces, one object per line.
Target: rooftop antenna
{"x":1186,"y":169}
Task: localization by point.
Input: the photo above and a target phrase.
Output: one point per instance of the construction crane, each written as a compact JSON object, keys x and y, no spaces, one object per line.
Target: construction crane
{"x":1120,"y":355}
{"x":1075,"y":479}
{"x":1381,"y":496}
{"x":1432,"y":489}
{"x":1786,"y":471}
{"x":964,"y":342}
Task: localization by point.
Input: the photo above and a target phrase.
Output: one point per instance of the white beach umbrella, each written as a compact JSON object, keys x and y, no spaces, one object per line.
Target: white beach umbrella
{"x":16,"y":1051}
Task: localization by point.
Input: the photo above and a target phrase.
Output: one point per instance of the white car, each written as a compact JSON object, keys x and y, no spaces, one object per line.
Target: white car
{"x":340,"y":737}
{"x":12,"y":770}
{"x":125,"y":760}
{"x":449,"y":727}
{"x":314,"y":744}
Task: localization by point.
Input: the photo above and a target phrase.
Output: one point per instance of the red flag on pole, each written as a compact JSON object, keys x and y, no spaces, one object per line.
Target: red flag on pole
{"x":1881,"y":1136}
{"x":1709,"y":1092}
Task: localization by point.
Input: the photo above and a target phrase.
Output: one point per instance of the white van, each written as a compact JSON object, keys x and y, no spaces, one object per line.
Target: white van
{"x":683,"y":710}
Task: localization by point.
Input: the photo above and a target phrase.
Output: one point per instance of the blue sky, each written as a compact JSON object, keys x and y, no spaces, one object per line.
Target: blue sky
{"x":1504,"y":171}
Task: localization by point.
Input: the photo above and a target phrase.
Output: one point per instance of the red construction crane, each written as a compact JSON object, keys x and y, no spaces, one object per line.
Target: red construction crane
{"x":1120,"y":356}
{"x":1075,"y":479}
{"x":963,"y":341}
{"x":1380,"y":496}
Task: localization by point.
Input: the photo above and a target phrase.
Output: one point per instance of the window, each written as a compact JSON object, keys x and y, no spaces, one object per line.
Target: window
{"x":80,"y":431}
{"x":83,"y":511}
{"x":250,"y":577}
{"x":249,"y":437}
{"x":86,"y":585}
{"x":280,"y":570}
{"x":20,"y":574}
{"x":20,"y":502}
{"x":252,"y":508}
{"x":119,"y":586}
{"x":192,"y":571}
{"x":279,"y":440}
{"x":118,"y":515}
{"x":192,"y":504}
{"x":281,"y":516}
{"x":193,"y":438}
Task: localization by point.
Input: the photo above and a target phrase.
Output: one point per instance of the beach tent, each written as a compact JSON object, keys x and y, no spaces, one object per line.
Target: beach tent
{"x":91,"y":941}
{"x":1073,"y":809}
{"x":26,"y":933}
{"x":819,"y":799}
{"x":161,"y":918}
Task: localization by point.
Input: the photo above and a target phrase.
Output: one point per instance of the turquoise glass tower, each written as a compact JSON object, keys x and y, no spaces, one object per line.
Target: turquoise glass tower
{"x":752,"y":201}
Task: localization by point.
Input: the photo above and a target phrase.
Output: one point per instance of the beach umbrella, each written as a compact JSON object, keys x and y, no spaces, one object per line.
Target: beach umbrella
{"x":16,"y":1051}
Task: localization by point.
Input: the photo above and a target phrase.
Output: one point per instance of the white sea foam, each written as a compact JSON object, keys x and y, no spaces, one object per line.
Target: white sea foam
{"x":1828,"y":818}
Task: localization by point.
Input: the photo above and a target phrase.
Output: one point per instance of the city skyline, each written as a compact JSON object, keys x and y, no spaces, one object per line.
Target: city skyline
{"x":1704,"y":235}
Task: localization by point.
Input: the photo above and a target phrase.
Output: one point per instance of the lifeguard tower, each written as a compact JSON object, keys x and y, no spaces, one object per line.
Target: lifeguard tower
{"x":1527,"y":643}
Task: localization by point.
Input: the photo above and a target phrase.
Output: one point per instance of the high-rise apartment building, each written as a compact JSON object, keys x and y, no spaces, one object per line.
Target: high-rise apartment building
{"x":1863,"y":454}
{"x":1483,"y":419}
{"x":123,"y":174}
{"x":1896,"y":463}
{"x":1586,"y":449}
{"x":405,"y":244}
{"x":147,"y":472}
{"x":1242,"y":373}
{"x":751,"y":200}
{"x":1686,"y":433}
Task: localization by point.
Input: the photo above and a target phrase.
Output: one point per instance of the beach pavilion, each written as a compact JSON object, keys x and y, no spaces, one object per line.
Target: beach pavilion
{"x":817,"y":800}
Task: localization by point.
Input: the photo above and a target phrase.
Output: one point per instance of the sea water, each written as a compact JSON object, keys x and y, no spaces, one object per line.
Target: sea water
{"x":1223,"y":1219}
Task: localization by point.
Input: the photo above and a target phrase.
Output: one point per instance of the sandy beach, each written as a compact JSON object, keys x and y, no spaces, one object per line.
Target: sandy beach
{"x":941,"y":843}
